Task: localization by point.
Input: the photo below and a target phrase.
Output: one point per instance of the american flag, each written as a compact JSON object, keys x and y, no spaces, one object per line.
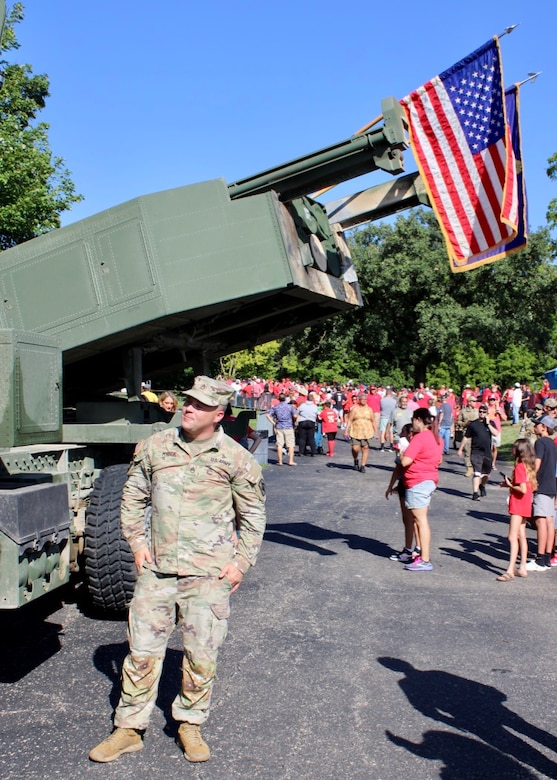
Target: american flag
{"x":463,"y":148}
{"x":512,"y":104}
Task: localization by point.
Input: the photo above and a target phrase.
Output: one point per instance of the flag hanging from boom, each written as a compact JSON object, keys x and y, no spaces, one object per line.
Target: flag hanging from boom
{"x":512,"y":104}
{"x":463,"y":148}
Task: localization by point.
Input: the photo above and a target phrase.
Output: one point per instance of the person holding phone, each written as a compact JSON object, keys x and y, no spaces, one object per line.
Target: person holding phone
{"x":521,"y":485}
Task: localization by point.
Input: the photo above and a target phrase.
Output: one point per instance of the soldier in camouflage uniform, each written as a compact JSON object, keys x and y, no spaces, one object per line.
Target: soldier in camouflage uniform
{"x":465,"y":416}
{"x":200,"y":484}
{"x":527,"y":425}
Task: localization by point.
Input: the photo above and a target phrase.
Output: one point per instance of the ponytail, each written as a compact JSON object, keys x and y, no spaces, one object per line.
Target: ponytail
{"x":430,"y":421}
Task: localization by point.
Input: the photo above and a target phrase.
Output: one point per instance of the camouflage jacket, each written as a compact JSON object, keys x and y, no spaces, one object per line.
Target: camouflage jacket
{"x":197,"y":503}
{"x":465,"y":416}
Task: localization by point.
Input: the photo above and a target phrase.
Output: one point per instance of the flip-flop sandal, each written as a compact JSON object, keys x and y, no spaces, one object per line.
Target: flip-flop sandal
{"x":506,"y":577}
{"x":520,"y":575}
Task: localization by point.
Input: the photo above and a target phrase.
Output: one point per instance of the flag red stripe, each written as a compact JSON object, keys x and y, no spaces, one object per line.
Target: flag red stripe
{"x":438,"y":201}
{"x":457,"y":170}
{"x":486,"y":229}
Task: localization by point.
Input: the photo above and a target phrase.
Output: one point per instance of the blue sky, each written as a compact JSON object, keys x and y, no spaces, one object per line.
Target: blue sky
{"x":148,"y":96}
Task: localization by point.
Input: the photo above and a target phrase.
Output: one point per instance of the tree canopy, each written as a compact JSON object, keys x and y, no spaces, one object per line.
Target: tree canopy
{"x":552,"y":208}
{"x":420,"y":322}
{"x":35,"y":185}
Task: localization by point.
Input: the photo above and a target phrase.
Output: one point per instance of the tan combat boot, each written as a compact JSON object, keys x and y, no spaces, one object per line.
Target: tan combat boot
{"x":192,"y":743}
{"x":119,"y":742}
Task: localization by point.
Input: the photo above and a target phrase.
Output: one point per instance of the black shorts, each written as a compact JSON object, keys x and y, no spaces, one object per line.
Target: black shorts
{"x":482,"y":464}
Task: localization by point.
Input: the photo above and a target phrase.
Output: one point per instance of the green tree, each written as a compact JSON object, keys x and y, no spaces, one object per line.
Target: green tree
{"x":35,"y":186}
{"x":552,"y":208}
{"x":422,"y":323}
{"x":262,"y":361}
{"x":517,"y":363}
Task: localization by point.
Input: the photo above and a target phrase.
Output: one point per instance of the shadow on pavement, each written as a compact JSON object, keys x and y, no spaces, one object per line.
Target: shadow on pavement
{"x":472,"y":549}
{"x":28,"y":639}
{"x":474,"y":709}
{"x":295,"y":534}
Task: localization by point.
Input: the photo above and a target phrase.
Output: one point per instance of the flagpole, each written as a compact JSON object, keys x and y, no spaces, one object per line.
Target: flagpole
{"x":531,"y":77}
{"x":508,"y":30}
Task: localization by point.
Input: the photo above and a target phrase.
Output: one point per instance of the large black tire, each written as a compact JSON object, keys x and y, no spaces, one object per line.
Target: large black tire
{"x":109,"y":566}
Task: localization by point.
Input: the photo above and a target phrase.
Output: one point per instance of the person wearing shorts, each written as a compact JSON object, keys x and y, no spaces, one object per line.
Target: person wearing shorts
{"x":479,"y":432}
{"x":283,"y":417}
{"x":421,"y":474}
{"x":329,"y":425}
{"x":543,"y":505}
{"x":360,"y":427}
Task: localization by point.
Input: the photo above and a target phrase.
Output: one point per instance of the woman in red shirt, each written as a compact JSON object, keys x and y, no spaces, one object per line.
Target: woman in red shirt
{"x":521,"y":486}
{"x":421,"y":474}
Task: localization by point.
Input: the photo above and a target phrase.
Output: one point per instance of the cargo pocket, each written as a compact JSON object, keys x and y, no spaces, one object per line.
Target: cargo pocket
{"x":221,"y":610}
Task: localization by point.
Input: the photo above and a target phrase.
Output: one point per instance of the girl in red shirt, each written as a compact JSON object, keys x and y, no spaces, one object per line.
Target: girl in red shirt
{"x":329,"y":426}
{"x":521,"y":486}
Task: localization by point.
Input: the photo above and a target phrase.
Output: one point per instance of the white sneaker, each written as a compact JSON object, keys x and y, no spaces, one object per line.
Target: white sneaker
{"x":533,"y":566}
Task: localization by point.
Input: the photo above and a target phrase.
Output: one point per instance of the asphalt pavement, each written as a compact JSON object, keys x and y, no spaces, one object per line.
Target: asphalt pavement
{"x":338,"y":662}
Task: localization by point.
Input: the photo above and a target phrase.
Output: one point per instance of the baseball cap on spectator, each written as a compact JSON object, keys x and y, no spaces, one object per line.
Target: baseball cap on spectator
{"x":550,"y":403}
{"x":549,"y":422}
{"x":482,"y":408}
{"x":539,"y":407}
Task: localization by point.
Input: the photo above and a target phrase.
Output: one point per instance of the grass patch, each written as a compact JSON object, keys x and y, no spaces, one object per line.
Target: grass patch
{"x":509,"y":434}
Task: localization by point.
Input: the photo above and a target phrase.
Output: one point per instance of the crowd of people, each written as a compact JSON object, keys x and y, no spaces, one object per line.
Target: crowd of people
{"x":419,"y":425}
{"x":256,"y":393}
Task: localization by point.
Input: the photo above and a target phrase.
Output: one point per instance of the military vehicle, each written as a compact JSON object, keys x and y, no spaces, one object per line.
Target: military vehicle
{"x":174,"y":278}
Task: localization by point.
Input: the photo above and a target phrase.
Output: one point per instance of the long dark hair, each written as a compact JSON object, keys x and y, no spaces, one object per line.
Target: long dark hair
{"x":523,"y":452}
{"x":429,"y":420}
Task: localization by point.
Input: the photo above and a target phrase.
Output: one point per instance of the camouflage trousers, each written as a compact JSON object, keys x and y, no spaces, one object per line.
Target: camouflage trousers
{"x":466,"y":452}
{"x":200,"y":606}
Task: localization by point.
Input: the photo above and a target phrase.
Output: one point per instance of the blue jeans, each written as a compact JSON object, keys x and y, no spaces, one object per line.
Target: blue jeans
{"x":445,"y":433}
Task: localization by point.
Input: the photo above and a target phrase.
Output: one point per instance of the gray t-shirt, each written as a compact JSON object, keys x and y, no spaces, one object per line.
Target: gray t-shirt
{"x":307,"y":412}
{"x":388,"y":405}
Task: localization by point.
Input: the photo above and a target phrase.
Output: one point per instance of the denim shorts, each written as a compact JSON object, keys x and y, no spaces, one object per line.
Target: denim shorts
{"x":419,"y":496}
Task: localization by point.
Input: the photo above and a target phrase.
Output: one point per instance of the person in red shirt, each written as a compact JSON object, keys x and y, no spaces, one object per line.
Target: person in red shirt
{"x":495,"y":414}
{"x":373,"y":400}
{"x":329,"y":426}
{"x":466,"y":393}
{"x":247,"y":392}
{"x":349,"y":403}
{"x":521,"y":486}
{"x":421,"y":462}
{"x":422,"y":400}
{"x":545,"y":392}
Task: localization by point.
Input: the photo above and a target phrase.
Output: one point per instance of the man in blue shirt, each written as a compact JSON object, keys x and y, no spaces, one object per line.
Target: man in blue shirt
{"x":283,"y":417}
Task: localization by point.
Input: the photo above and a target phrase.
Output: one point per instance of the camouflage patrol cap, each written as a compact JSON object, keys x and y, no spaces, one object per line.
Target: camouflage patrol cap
{"x":550,"y":403}
{"x":212,"y":392}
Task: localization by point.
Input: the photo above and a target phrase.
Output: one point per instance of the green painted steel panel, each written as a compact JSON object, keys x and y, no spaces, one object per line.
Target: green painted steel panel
{"x":30,"y":389}
{"x":216,"y":271}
